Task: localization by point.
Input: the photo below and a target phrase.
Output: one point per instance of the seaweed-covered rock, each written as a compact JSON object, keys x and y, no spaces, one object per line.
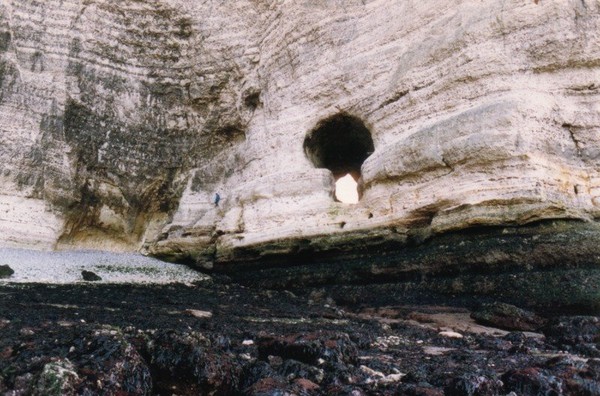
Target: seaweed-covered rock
{"x":517,"y":341}
{"x":309,"y":348}
{"x":412,"y":390}
{"x":532,"y":381}
{"x":270,"y":386}
{"x":90,"y":276}
{"x":193,"y":361}
{"x":509,"y":317}
{"x":23,"y":384}
{"x":473,"y":385}
{"x":572,"y":330}
{"x":292,"y":348}
{"x":295,"y":370}
{"x":6,"y":271}
{"x":291,"y":377}
{"x":254,"y":372}
{"x":576,"y":333}
{"x":578,"y":377}
{"x":109,"y":364}
{"x":58,"y":378}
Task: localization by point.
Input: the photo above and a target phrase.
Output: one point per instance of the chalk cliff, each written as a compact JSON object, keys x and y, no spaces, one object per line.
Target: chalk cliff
{"x":120,"y":120}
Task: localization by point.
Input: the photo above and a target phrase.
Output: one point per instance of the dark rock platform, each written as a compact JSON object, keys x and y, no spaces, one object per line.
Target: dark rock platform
{"x":221,"y":338}
{"x":547,"y":265}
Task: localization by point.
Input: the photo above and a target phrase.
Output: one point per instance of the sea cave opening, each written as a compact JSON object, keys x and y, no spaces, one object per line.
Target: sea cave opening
{"x":340,"y":143}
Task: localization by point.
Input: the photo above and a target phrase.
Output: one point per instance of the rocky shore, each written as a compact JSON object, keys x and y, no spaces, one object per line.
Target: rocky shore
{"x":217,"y":337}
{"x":212,"y":134}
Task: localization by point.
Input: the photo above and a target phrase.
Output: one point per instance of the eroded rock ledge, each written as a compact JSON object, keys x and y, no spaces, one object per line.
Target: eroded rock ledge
{"x":551,"y":265}
{"x":120,"y":121}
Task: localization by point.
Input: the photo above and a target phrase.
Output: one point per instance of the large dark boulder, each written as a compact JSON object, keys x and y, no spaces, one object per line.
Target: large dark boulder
{"x":6,"y":271}
{"x":90,"y":276}
{"x":508,"y":317}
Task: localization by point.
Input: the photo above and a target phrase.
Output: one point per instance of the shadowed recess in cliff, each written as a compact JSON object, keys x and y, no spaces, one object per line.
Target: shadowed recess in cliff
{"x":340,"y":143}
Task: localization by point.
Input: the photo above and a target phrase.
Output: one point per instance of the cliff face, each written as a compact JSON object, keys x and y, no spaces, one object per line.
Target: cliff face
{"x":120,"y":120}
{"x":106,"y":109}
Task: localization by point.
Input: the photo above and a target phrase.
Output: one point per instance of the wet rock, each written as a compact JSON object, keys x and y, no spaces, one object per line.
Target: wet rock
{"x":576,"y":376}
{"x":58,"y":378}
{"x":325,"y":358}
{"x":579,"y":377}
{"x":374,"y":376}
{"x":422,"y":391}
{"x":515,"y":337}
{"x":255,"y":372}
{"x":495,"y":344}
{"x":531,"y":381}
{"x":6,"y":271}
{"x":268,"y":387}
{"x":90,"y":276}
{"x":575,"y":333}
{"x":193,"y":362}
{"x":518,"y":342}
{"x":346,"y":390}
{"x":508,"y":317}
{"x":23,"y":384}
{"x":473,"y":385}
{"x":275,"y":361}
{"x":296,"y":351}
{"x":304,"y":386}
{"x":309,"y":348}
{"x":198,"y":313}
{"x":26,"y":331}
{"x":293,"y":369}
{"x":573,"y":329}
{"x":109,"y":364}
{"x":4,"y":323}
{"x":291,"y":378}
{"x":450,"y":334}
{"x":417,"y":375}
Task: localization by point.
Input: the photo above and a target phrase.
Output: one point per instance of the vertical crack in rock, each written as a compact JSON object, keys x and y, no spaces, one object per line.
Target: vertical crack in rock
{"x":447,"y":164}
{"x":570,"y":128}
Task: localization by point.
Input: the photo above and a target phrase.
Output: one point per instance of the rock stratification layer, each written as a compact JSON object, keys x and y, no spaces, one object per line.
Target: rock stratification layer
{"x":120,"y":120}
{"x":108,"y":107}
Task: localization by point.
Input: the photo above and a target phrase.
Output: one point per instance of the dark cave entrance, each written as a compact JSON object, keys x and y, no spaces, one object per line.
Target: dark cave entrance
{"x":340,"y":143}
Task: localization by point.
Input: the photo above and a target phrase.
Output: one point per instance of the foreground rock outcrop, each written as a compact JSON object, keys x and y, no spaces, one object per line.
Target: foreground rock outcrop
{"x":100,"y":340}
{"x":121,"y":120}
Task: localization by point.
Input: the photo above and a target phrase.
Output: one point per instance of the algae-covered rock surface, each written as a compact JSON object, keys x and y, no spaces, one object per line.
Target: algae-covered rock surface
{"x":6,"y":271}
{"x":145,"y":340}
{"x":547,"y":265}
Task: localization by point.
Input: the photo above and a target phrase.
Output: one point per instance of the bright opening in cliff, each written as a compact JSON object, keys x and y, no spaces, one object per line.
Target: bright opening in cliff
{"x":346,"y":189}
{"x":340,"y":143}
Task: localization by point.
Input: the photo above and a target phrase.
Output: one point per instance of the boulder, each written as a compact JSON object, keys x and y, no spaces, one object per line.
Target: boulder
{"x":6,"y":271}
{"x":90,"y":276}
{"x":507,"y":317}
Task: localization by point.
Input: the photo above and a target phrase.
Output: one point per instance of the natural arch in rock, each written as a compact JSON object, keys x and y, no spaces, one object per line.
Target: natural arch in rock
{"x":340,"y":143}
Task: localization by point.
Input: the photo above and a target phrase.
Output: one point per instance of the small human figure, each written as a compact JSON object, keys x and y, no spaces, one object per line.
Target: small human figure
{"x":217,"y":199}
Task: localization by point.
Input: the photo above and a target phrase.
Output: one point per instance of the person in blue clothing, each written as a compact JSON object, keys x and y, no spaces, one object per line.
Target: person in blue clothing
{"x":217,"y":199}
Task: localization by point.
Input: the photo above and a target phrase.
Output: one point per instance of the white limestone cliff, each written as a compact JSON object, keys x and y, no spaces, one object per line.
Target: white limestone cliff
{"x":120,"y":120}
